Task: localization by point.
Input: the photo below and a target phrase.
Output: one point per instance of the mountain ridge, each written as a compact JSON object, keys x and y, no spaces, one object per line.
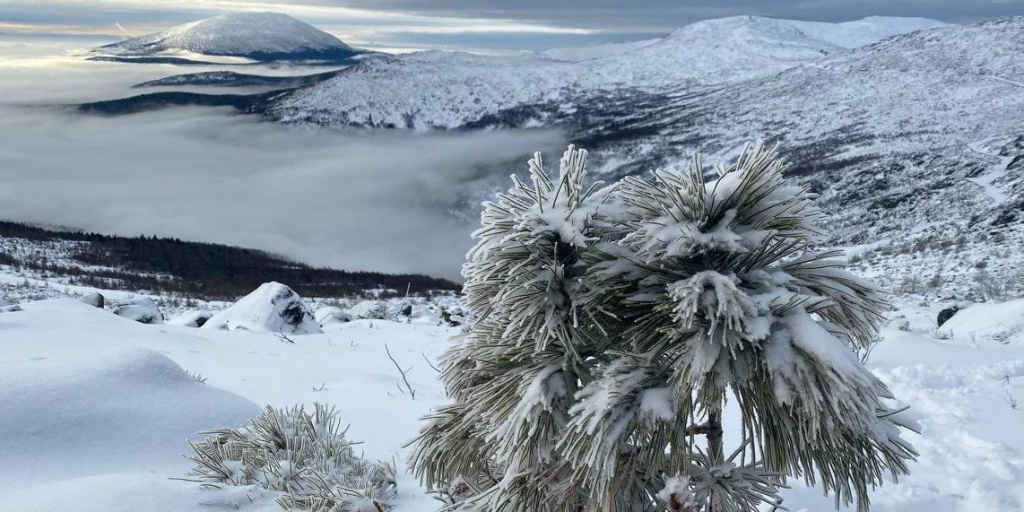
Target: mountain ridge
{"x":258,"y":36}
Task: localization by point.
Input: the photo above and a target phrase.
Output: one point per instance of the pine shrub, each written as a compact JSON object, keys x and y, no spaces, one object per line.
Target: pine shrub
{"x":610,"y":326}
{"x":304,"y":456}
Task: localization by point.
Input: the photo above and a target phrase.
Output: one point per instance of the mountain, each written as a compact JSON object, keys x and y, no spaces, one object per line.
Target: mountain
{"x":259,"y":36}
{"x":449,"y":90}
{"x":913,"y":142}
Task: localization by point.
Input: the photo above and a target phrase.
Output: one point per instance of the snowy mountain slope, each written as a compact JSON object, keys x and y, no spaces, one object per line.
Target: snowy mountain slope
{"x":910,"y":142}
{"x":261,"y":36}
{"x":741,"y":47}
{"x":452,"y":90}
{"x":971,"y":456}
{"x":914,"y":142}
{"x":578,"y":53}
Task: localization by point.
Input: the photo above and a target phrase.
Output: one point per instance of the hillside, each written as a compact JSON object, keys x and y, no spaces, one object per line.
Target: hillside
{"x":449,"y":90}
{"x":914,"y":142}
{"x":171,"y":266}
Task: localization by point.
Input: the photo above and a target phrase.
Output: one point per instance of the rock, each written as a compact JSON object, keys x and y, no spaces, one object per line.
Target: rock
{"x":330,"y":315}
{"x":273,"y":307}
{"x":191,"y":319}
{"x":10,"y":308}
{"x":369,"y":309}
{"x":140,"y":309}
{"x":947,"y":313}
{"x":452,"y":317}
{"x":405,"y":309}
{"x":93,"y":299}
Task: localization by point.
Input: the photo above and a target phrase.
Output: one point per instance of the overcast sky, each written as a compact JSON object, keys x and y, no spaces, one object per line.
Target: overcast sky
{"x":471,"y":24}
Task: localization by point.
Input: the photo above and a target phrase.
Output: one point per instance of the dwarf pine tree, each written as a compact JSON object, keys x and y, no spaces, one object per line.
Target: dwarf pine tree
{"x":670,"y":342}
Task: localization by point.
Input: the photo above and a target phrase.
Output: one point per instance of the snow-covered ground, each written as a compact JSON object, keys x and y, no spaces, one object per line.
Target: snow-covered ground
{"x":95,"y":409}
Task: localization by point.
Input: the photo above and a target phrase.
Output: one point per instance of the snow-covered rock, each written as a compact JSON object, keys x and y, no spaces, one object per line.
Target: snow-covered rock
{"x":262,"y":36}
{"x":1000,"y":321}
{"x":273,"y":307}
{"x":94,"y":299}
{"x":191,"y":319}
{"x":112,"y":412}
{"x":331,"y":315}
{"x":371,"y":309}
{"x":140,"y":309}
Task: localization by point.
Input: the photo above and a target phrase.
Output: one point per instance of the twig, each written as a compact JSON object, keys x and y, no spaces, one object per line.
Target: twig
{"x":323,"y":385}
{"x":436,"y":369}
{"x":405,"y":379}
{"x":284,"y":338}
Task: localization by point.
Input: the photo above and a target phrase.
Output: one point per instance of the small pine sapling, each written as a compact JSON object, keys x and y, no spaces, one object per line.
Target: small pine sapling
{"x":609,"y":328}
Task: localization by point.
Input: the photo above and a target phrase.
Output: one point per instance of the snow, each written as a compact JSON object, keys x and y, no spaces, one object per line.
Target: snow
{"x":91,"y":358}
{"x":139,"y":309}
{"x":108,"y":412}
{"x":331,"y":315}
{"x":1000,"y":321}
{"x":273,"y":307}
{"x":972,"y":456}
{"x":191,"y":318}
{"x":450,"y":89}
{"x":232,"y":34}
{"x":986,"y":181}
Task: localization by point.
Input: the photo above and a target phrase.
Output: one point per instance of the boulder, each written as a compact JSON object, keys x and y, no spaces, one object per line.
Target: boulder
{"x":369,"y":309}
{"x":273,"y":307}
{"x":330,"y":315}
{"x":94,"y":299}
{"x":405,"y":309}
{"x":191,"y":319}
{"x":946,"y":314}
{"x":140,"y":309}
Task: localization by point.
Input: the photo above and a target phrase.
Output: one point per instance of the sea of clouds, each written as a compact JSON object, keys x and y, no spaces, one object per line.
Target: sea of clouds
{"x":359,"y":200}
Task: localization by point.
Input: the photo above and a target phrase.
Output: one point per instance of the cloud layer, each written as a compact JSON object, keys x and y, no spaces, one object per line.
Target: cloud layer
{"x":480,"y":24}
{"x":371,"y":201}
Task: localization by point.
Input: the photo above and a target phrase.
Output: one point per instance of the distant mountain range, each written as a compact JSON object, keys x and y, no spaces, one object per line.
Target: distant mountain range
{"x":449,"y":90}
{"x":256,"y":36}
{"x":909,"y":129}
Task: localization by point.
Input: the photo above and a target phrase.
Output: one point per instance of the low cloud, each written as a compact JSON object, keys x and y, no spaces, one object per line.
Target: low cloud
{"x":386,"y":201}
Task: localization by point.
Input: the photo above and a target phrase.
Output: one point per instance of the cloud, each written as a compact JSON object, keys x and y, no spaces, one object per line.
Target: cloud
{"x":371,"y":201}
{"x":485,"y":24}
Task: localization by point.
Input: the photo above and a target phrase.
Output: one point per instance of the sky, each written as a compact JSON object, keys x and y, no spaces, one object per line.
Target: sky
{"x":469,"y":24}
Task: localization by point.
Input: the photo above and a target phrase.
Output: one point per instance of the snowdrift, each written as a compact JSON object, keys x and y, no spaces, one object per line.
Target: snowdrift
{"x":273,"y":307}
{"x":122,"y":411}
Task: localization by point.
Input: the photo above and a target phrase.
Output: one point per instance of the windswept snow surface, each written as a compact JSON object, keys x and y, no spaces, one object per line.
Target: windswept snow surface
{"x":64,"y":364}
{"x":53,"y":348}
{"x":240,"y":34}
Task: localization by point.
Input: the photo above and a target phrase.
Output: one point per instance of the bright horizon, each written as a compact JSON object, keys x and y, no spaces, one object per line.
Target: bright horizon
{"x":401,"y":25}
